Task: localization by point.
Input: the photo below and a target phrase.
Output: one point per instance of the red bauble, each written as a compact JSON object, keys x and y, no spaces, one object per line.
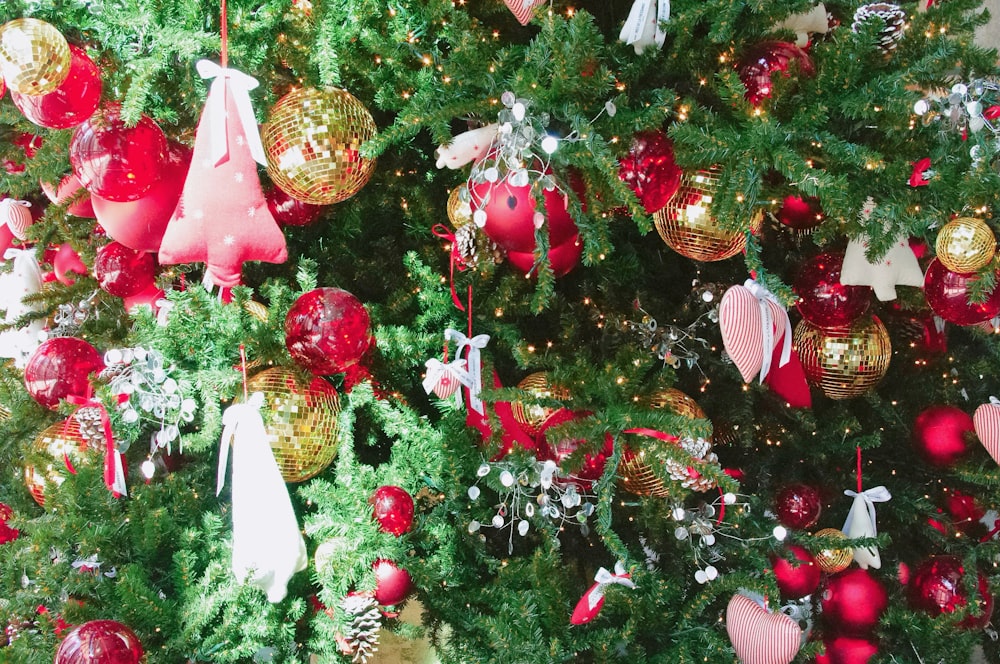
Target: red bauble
{"x":29,"y":143}
{"x":7,"y":534}
{"x":560,"y":448}
{"x":798,"y":506}
{"x":947,"y":293}
{"x":67,"y":189}
{"x":824,"y":301}
{"x":966,"y":513}
{"x":152,"y":297}
{"x":327,"y":330}
{"x":100,"y":641}
{"x":124,"y":272}
{"x":392,"y":584}
{"x":799,"y":579}
{"x":941,"y":434}
{"x":65,"y":263}
{"x":140,"y":224}
{"x":393,"y":509}
{"x":115,"y":161}
{"x":937,"y":587}
{"x":853,"y":602}
{"x":649,"y":169}
{"x":562,"y":258}
{"x":767,"y":58}
{"x":510,"y":215}
{"x":75,"y":100}
{"x":848,"y":650}
{"x":799,"y":213}
{"x":288,"y":211}
{"x":60,"y":368}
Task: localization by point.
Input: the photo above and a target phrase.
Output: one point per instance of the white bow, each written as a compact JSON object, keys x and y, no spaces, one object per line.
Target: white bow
{"x":767,"y":327}
{"x":475,"y":363}
{"x":861,"y":523}
{"x":436,"y":369}
{"x":642,"y":27}
{"x":995,"y":401}
{"x":240,"y":85}
{"x":604,"y":578}
{"x":230,"y":421}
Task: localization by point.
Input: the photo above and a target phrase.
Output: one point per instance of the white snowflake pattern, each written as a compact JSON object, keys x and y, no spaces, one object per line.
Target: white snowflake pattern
{"x":229,"y":240}
{"x":252,"y":212}
{"x":238,"y":177}
{"x":198,"y":214}
{"x":240,"y":140}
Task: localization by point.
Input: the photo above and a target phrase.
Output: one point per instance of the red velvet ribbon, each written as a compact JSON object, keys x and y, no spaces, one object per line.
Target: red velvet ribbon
{"x":441,"y":231}
{"x":109,"y":442}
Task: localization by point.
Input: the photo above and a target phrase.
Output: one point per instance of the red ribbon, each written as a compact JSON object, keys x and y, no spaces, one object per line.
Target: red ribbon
{"x":109,"y":442}
{"x":917,"y":178}
{"x":992,"y":113}
{"x":441,"y":231}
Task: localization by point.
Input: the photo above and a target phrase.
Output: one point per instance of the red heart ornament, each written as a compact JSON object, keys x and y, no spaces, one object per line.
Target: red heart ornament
{"x":760,"y":636}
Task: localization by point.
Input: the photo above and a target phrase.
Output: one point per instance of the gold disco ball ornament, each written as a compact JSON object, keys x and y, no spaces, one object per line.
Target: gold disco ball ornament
{"x":460,"y":207}
{"x":832,"y":561}
{"x":965,"y":245}
{"x":844,"y":362}
{"x":301,"y":421}
{"x":53,"y":447}
{"x":34,"y":56}
{"x":313,"y":142}
{"x":688,"y":227}
{"x":532,"y":417}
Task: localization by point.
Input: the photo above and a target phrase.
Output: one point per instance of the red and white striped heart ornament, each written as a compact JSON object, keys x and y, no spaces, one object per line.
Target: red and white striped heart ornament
{"x":523,"y":10}
{"x":16,"y":215}
{"x":760,"y":636}
{"x":986,"y":421}
{"x":751,"y":318}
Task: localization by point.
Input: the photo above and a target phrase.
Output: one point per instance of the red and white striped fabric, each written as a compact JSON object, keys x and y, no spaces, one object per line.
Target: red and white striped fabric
{"x":16,"y":215}
{"x":987,"y":424}
{"x":760,"y":636}
{"x":742,"y":325}
{"x":523,"y":10}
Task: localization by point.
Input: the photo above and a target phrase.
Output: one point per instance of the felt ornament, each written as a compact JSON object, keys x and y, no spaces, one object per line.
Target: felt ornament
{"x":805,"y":23}
{"x":267,"y":545}
{"x":474,"y":364}
{"x":753,"y":323}
{"x":590,"y":604}
{"x":467,"y":147}
{"x":760,"y":636}
{"x":861,"y":523}
{"x":523,"y":10}
{"x":16,"y":216}
{"x":788,"y":380}
{"x":642,"y":27}
{"x":986,"y":421}
{"x":222,"y":218}
{"x":24,"y":279}
{"x":444,"y":379}
{"x":65,"y":263}
{"x":898,"y":267}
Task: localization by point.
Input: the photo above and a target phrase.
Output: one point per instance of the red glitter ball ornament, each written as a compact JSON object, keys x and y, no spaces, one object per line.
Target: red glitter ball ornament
{"x":937,"y":587}
{"x":393,"y":509}
{"x":848,"y":650}
{"x":823,"y":300}
{"x":853,"y":602}
{"x":103,"y":641}
{"x":559,"y":448}
{"x":796,"y":579}
{"x":941,"y":434}
{"x":289,"y":211}
{"x":947,"y":293}
{"x":392,"y":584}
{"x":798,"y":506}
{"x":327,"y":330}
{"x":123,"y":272}
{"x":649,"y":169}
{"x":60,"y":368}
{"x":767,"y":58}
{"x":72,"y":102}
{"x":801,"y":214}
{"x":7,"y":534}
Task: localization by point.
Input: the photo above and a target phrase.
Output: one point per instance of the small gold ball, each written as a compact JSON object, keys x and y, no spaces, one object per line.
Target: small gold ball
{"x":832,"y":561}
{"x":965,"y":245}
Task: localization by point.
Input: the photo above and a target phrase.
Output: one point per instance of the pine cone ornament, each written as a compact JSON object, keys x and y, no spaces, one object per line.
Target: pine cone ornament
{"x":360,"y":639}
{"x":91,"y":429}
{"x":891,"y":15}
{"x":699,"y":449}
{"x":466,"y":241}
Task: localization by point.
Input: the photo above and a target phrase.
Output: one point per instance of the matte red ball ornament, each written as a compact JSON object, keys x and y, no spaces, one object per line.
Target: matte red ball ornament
{"x":66,"y":263}
{"x":562,"y":258}
{"x":72,"y":102}
{"x":823,"y":300}
{"x":649,"y":169}
{"x":848,"y":650}
{"x":327,"y":330}
{"x":100,"y":642}
{"x":60,"y":368}
{"x":115,"y":161}
{"x":853,"y":602}
{"x":393,"y":509}
{"x":288,"y":211}
{"x":123,"y":272}
{"x":938,"y":586}
{"x":798,"y":506}
{"x":798,"y":578}
{"x":392,"y":584}
{"x":941,"y":434}
{"x":801,"y":214}
{"x":947,"y":293}
{"x":760,"y":63}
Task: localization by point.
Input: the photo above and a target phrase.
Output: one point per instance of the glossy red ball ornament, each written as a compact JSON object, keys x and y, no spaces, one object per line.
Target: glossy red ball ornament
{"x":797,"y":578}
{"x":123,"y":272}
{"x":649,"y":169}
{"x":66,"y":263}
{"x":288,"y":211}
{"x":100,"y":642}
{"x":941,"y":434}
{"x":798,"y":506}
{"x":938,"y":586}
{"x":72,"y":102}
{"x":393,"y":509}
{"x":327,"y":330}
{"x":392,"y":584}
{"x":801,"y":214}
{"x":584,"y":472}
{"x":70,"y":188}
{"x":562,"y":258}
{"x":965,"y":512}
{"x":853,"y":602}
{"x":823,"y":300}
{"x":115,"y":161}
{"x":947,"y":293}
{"x":7,"y":534}
{"x":761,"y":62}
{"x":848,"y":650}
{"x":60,"y":367}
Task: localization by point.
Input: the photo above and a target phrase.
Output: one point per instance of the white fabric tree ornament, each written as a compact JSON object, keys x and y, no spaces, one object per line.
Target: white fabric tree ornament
{"x":23,"y":280}
{"x":861,"y":523}
{"x":268,"y":548}
{"x":898,"y":267}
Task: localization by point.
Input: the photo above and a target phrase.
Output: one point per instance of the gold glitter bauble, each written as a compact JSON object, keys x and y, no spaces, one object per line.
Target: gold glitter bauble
{"x":34,"y":56}
{"x":300,"y":420}
{"x":678,"y":402}
{"x":313,"y":143}
{"x":965,"y":245}
{"x":52,"y":447}
{"x":688,"y":227}
{"x":844,"y":362}
{"x":459,"y":207}
{"x":256,"y":309}
{"x":832,"y":561}
{"x":532,"y":417}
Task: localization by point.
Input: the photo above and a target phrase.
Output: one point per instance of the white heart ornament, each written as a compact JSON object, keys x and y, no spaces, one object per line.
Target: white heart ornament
{"x":760,"y":636}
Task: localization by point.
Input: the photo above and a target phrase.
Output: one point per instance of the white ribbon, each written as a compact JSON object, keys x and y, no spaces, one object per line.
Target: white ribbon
{"x":240,"y":85}
{"x":640,"y":29}
{"x":767,"y":327}
{"x":436,"y":369}
{"x":604,"y":578}
{"x":861,"y":523}
{"x":232,"y":422}
{"x":475,"y":363}
{"x":995,"y":401}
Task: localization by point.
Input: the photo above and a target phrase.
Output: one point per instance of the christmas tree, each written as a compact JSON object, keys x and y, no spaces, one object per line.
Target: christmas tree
{"x":513,"y":332}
